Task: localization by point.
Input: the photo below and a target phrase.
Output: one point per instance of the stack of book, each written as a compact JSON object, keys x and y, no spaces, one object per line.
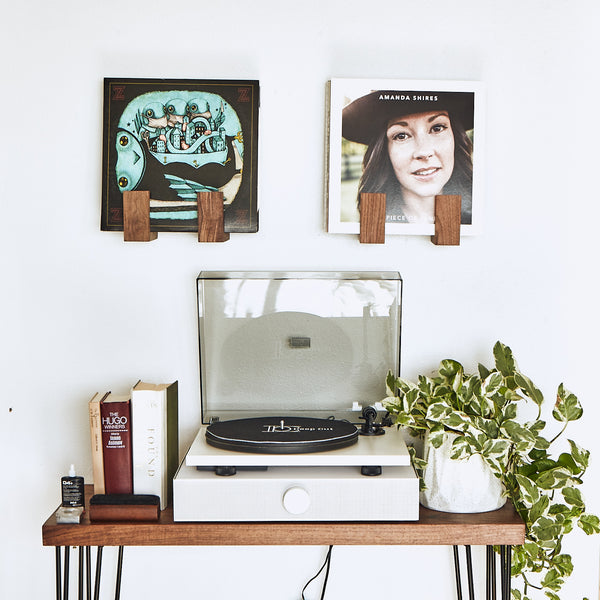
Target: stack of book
{"x":134,"y":437}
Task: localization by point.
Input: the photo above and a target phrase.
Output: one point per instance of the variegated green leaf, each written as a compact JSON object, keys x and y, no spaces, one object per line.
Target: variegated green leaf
{"x":528,"y":489}
{"x":403,"y":420}
{"x":589,"y":523}
{"x":573,"y":497}
{"x":461,"y":448}
{"x":532,"y":550}
{"x":390,"y":384}
{"x":566,"y":460}
{"x":437,"y":436}
{"x":496,"y":448}
{"x":529,"y":388}
{"x":567,"y":407}
{"x":449,"y":369}
{"x":505,"y":362}
{"x":457,"y":420}
{"x":580,"y":455}
{"x":419,"y":464}
{"x":492,"y":383}
{"x":553,"y":478}
{"x":563,"y":564}
{"x":539,"y":508}
{"x":489,"y":427}
{"x":560,"y":509}
{"x":541,"y":443}
{"x":552,"y":580}
{"x":404,"y":384}
{"x":443,"y":392}
{"x":410,"y":399}
{"x":523,"y":438}
{"x":438,"y":411}
{"x":480,"y":405}
{"x":509,"y":412}
{"x":546,"y":530}
{"x":536,"y":426}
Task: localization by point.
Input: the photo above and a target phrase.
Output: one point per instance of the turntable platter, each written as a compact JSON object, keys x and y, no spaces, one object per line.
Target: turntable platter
{"x":281,"y":435}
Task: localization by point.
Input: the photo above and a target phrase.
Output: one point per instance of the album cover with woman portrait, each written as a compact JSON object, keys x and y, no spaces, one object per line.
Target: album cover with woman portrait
{"x":176,"y":138}
{"x":412,"y":141}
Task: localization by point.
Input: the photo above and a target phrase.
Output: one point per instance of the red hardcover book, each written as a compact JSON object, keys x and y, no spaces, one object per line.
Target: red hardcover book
{"x":115,"y":412}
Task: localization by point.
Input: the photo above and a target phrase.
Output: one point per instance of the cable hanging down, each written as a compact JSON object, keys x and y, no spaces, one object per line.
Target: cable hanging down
{"x":326,"y":563}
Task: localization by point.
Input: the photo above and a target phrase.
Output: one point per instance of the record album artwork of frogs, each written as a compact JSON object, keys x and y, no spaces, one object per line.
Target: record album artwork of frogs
{"x":176,"y":138}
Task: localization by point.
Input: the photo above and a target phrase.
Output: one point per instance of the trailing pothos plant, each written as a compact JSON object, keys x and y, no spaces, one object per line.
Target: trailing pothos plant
{"x":486,"y":410}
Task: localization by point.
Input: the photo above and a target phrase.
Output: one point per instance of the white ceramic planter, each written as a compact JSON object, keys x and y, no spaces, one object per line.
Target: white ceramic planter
{"x":459,"y":486}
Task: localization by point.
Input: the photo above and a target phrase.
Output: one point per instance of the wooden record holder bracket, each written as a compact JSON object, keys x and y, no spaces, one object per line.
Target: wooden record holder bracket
{"x":136,"y":217}
{"x":446,"y":219}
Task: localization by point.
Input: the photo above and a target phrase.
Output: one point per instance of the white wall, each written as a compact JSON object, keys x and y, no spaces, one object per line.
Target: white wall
{"x":83,"y":311}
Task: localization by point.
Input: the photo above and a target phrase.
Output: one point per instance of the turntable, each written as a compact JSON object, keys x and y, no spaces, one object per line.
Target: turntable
{"x":292,"y":371}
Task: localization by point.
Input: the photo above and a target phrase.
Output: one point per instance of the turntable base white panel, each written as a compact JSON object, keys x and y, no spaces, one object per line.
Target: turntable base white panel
{"x":296,"y":494}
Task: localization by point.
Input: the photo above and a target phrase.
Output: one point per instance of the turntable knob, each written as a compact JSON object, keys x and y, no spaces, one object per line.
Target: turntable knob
{"x":296,"y":500}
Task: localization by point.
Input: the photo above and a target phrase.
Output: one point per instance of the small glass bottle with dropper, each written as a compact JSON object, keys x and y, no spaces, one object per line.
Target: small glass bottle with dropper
{"x":72,"y":489}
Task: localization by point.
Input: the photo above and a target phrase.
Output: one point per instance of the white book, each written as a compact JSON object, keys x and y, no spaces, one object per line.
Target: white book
{"x":154,"y":435}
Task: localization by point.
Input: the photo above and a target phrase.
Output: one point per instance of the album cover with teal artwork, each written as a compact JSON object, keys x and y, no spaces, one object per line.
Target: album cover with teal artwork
{"x":176,"y":138}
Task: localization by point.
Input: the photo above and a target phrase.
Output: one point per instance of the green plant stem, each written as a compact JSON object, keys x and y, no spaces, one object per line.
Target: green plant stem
{"x":559,"y":433}
{"x":528,"y":584}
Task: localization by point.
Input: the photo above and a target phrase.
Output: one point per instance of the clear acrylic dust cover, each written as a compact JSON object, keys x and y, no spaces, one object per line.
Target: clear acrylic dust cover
{"x":294,"y":343}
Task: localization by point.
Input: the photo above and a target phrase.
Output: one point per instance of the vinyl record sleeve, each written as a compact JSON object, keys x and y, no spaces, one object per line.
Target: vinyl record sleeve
{"x":176,"y":138}
{"x":363,"y":158}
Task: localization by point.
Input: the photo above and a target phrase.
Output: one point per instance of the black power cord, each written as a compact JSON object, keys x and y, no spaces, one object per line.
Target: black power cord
{"x":327,"y":564}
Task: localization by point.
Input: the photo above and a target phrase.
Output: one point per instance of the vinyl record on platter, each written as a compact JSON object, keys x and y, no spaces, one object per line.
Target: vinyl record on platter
{"x":281,"y":435}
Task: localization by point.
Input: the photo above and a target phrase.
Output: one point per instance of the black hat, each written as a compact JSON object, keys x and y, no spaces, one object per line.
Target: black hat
{"x":364,"y":118}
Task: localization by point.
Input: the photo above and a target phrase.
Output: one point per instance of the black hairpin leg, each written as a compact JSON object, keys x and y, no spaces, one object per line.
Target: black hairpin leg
{"x":119,"y":573}
{"x":66,"y":573}
{"x":469,"y":573}
{"x":508,"y":571}
{"x":88,"y":573}
{"x":84,"y":573}
{"x":98,"y":572}
{"x":490,"y":573}
{"x":457,"y":573}
{"x":57,"y":574}
{"x":505,"y":566}
{"x":80,"y":575}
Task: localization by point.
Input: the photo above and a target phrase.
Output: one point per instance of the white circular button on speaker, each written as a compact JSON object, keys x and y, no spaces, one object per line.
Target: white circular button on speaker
{"x":296,"y":500}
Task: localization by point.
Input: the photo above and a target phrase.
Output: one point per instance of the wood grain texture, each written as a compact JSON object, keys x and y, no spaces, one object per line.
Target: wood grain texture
{"x":501,"y":527}
{"x":447,"y":221}
{"x":210,"y":217}
{"x":136,"y":217}
{"x":372,"y":218}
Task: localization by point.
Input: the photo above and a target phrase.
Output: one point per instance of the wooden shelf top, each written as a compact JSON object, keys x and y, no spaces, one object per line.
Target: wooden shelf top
{"x":500,"y":527}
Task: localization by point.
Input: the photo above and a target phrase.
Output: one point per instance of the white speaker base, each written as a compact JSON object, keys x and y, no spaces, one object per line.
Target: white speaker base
{"x":296,"y":494}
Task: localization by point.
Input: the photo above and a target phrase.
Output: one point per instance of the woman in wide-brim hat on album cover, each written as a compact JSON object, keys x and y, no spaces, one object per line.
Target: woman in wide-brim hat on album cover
{"x":417,"y":148}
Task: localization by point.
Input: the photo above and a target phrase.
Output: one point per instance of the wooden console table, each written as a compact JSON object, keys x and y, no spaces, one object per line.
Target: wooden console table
{"x":502,"y":528}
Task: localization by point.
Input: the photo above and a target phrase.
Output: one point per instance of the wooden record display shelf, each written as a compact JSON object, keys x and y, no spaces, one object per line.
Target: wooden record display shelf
{"x":447,"y":216}
{"x":501,"y":527}
{"x":136,"y":217}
